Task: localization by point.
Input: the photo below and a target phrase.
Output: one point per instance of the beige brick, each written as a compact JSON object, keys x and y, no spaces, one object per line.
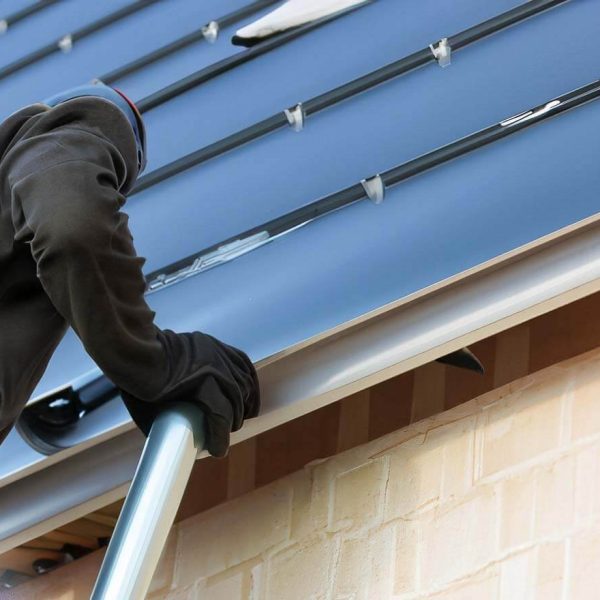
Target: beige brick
{"x":436,"y":465}
{"x":164,"y":571}
{"x":554,"y":498}
{"x":587,"y":484}
{"x":358,"y":495}
{"x":459,"y":539}
{"x":188,"y":592}
{"x":302,"y":571}
{"x":322,"y":475}
{"x":522,"y":425}
{"x":365,"y":567}
{"x":233,"y":532}
{"x":257,"y":582}
{"x":406,"y":559}
{"x":353,"y":570}
{"x":550,"y":571}
{"x":516,"y":513}
{"x":301,"y":519}
{"x":382,"y":545}
{"x":586,"y":400}
{"x":482,"y":586}
{"x":458,"y":442}
{"x":584,"y":580}
{"x":415,"y":477}
{"x":517,"y":576}
{"x":225,"y":588}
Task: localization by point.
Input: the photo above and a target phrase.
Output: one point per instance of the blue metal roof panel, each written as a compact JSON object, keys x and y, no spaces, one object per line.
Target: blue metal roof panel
{"x":109,"y":48}
{"x":50,"y":24}
{"x":364,"y":256}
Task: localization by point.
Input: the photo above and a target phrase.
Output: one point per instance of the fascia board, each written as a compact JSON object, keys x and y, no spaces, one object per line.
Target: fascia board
{"x":525,"y":284}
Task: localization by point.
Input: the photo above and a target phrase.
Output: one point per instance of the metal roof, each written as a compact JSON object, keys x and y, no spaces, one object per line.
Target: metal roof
{"x":341,"y":275}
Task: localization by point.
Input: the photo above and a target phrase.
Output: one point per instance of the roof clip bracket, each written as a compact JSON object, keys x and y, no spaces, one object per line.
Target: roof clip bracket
{"x":66,"y":43}
{"x":374,"y":188}
{"x":210,"y":32}
{"x":3,"y":26}
{"x":442,"y":52}
{"x":295,"y":117}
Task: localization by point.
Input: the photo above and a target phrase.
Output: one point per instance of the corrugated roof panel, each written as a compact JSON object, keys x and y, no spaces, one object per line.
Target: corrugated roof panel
{"x":428,"y":229}
{"x":114,"y":45}
{"x":364,"y":256}
{"x":50,"y":24}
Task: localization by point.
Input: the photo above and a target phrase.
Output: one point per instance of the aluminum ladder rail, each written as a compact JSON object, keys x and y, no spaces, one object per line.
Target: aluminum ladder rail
{"x":175,"y":439}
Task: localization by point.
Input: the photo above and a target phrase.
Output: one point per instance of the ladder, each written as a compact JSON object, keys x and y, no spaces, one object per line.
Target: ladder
{"x":175,"y":439}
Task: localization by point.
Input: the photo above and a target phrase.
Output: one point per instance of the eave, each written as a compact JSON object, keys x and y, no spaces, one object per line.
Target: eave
{"x":553,"y":271}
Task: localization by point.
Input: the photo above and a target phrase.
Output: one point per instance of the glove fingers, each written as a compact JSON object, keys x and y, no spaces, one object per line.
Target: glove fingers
{"x":219,"y":415}
{"x":245,"y":375}
{"x":218,"y":378}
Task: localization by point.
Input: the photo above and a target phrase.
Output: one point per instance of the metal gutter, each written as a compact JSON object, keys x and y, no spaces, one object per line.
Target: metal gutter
{"x":518,"y":286}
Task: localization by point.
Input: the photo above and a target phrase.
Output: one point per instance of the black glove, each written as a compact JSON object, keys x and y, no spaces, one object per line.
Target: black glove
{"x":218,"y":378}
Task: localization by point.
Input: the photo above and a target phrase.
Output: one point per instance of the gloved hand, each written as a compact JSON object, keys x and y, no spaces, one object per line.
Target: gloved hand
{"x":218,"y":378}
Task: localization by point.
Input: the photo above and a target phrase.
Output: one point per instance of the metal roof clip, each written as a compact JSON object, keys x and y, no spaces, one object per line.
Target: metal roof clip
{"x":3,"y":26}
{"x":66,"y":43}
{"x":295,"y":117}
{"x":374,"y":188}
{"x":210,"y":32}
{"x":442,"y":52}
